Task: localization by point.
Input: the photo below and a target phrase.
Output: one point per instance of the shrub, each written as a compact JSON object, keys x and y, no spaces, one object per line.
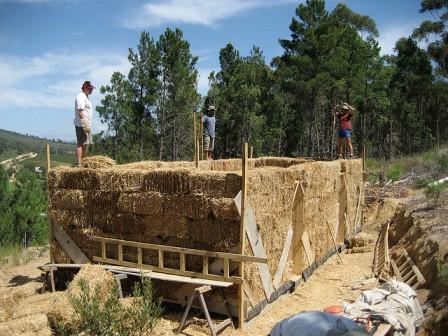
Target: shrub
{"x":109,"y":317}
{"x":442,"y":163}
{"x":432,"y":191}
{"x":394,"y":171}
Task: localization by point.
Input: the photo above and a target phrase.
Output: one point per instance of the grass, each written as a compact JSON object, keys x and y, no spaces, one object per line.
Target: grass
{"x":16,"y":255}
{"x":398,"y":168}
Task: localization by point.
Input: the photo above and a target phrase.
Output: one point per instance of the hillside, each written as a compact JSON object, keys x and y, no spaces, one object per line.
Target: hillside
{"x":13,"y":144}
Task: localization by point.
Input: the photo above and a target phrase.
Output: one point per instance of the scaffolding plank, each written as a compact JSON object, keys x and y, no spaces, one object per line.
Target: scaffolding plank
{"x":72,"y":250}
{"x":284,"y":258}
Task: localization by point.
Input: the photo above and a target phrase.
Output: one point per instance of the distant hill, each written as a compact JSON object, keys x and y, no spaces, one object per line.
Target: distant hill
{"x":13,"y":144}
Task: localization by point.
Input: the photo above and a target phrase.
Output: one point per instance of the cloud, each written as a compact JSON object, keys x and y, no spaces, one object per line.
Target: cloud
{"x":203,"y":80}
{"x":392,"y":33}
{"x":52,"y":80}
{"x":198,"y":12}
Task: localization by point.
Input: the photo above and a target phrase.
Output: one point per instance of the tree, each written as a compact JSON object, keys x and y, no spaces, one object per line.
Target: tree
{"x":437,"y":49}
{"x":177,"y":96}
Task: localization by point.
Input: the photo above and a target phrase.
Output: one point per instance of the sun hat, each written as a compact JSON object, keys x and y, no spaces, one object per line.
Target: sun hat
{"x":211,"y":108}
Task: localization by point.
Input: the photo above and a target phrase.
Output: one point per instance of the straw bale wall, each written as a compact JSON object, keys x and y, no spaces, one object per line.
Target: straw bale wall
{"x":177,"y":204}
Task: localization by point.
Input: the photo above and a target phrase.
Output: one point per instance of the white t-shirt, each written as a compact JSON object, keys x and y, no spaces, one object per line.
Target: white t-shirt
{"x":82,"y":102}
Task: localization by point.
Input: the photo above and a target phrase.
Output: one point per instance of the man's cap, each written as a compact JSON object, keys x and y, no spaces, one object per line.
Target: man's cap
{"x":88,"y":84}
{"x":211,"y":108}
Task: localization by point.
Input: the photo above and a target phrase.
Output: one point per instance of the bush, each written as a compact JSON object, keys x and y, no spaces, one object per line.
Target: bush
{"x":442,"y":163}
{"x":432,"y":191}
{"x":109,"y":317}
{"x":394,"y":172}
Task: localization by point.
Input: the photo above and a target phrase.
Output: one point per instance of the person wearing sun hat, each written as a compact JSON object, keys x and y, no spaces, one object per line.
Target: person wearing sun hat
{"x":344,"y":115}
{"x":83,"y":121}
{"x":209,"y":123}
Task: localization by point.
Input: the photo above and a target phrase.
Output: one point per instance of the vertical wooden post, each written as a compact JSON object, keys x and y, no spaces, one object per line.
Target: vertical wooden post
{"x":49,"y":219}
{"x":194,"y":136}
{"x":241,"y":310}
{"x":196,"y":162}
{"x":201,"y":140}
{"x":363,"y":157}
{"x":251,"y":152}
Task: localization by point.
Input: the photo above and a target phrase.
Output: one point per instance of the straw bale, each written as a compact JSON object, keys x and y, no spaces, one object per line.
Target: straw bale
{"x":72,"y":218}
{"x":78,"y":178}
{"x":215,"y":184}
{"x":68,"y":199}
{"x":224,"y":233}
{"x":120,"y":180}
{"x":36,"y":325}
{"x":103,"y":199}
{"x":145,"y":203}
{"x":95,"y":276}
{"x":167,"y":181}
{"x":98,"y":161}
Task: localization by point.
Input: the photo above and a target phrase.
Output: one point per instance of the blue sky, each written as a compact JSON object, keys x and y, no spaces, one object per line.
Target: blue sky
{"x":49,"y":47}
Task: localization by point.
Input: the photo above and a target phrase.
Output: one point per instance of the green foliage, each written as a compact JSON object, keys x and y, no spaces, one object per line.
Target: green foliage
{"x":394,"y":172}
{"x":442,"y":272}
{"x":442,"y":163}
{"x":109,"y":317}
{"x":433,"y":191}
{"x":22,"y":210}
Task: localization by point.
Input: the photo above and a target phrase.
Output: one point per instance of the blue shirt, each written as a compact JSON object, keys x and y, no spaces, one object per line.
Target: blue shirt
{"x":209,"y":125}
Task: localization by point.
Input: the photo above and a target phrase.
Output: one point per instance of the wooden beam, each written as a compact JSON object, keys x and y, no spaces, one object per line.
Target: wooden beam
{"x":175,"y":249}
{"x":69,"y":246}
{"x":283,"y":258}
{"x":195,"y":149}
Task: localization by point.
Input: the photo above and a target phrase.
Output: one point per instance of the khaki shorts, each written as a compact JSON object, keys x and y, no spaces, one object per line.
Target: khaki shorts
{"x":209,"y":143}
{"x":83,"y":138}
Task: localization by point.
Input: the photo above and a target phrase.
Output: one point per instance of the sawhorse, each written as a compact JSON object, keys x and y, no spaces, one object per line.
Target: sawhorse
{"x":214,"y":328}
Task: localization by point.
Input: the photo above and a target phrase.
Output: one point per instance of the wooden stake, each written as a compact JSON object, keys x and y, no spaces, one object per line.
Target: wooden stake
{"x":334,"y":242}
{"x":251,"y":152}
{"x":194,"y":137}
{"x":363,"y":156}
{"x":201,"y":140}
{"x":50,"y":222}
{"x":241,"y":312}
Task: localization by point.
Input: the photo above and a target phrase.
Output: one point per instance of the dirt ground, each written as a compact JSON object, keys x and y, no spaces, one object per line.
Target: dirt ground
{"x":23,"y":310}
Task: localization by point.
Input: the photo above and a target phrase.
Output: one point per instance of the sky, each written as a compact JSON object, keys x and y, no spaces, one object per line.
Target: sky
{"x":49,"y":47}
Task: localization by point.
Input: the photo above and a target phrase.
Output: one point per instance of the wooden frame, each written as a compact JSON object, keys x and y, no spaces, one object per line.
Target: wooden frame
{"x":381,"y":259}
{"x":406,"y":271}
{"x":183,"y":252}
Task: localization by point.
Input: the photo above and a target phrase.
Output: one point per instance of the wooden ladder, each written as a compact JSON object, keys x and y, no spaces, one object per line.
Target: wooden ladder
{"x":406,"y":271}
{"x":214,"y":328}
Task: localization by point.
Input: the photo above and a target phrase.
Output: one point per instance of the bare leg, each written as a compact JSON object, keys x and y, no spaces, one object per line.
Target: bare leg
{"x":79,"y":153}
{"x":340,"y":147}
{"x":349,"y":144}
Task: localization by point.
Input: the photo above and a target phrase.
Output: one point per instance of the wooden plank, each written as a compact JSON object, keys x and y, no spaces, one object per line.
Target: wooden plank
{"x":284,"y":258}
{"x":257,"y":247}
{"x":49,"y":219}
{"x":195,"y":149}
{"x":161,"y":259}
{"x":231,"y":279}
{"x":103,"y":249}
{"x":395,"y":269}
{"x":182,"y":261}
{"x":120,"y":252}
{"x":205,"y":265}
{"x":298,"y":208}
{"x":243,"y":223}
{"x":149,"y":274}
{"x":69,"y":246}
{"x":226,"y":268}
{"x":307,"y":247}
{"x":382,"y":329}
{"x":139,"y":256}
{"x":334,"y":242}
{"x":175,"y":249}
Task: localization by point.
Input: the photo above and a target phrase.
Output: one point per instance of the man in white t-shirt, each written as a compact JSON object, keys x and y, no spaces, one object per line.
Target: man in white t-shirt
{"x":83,"y":121}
